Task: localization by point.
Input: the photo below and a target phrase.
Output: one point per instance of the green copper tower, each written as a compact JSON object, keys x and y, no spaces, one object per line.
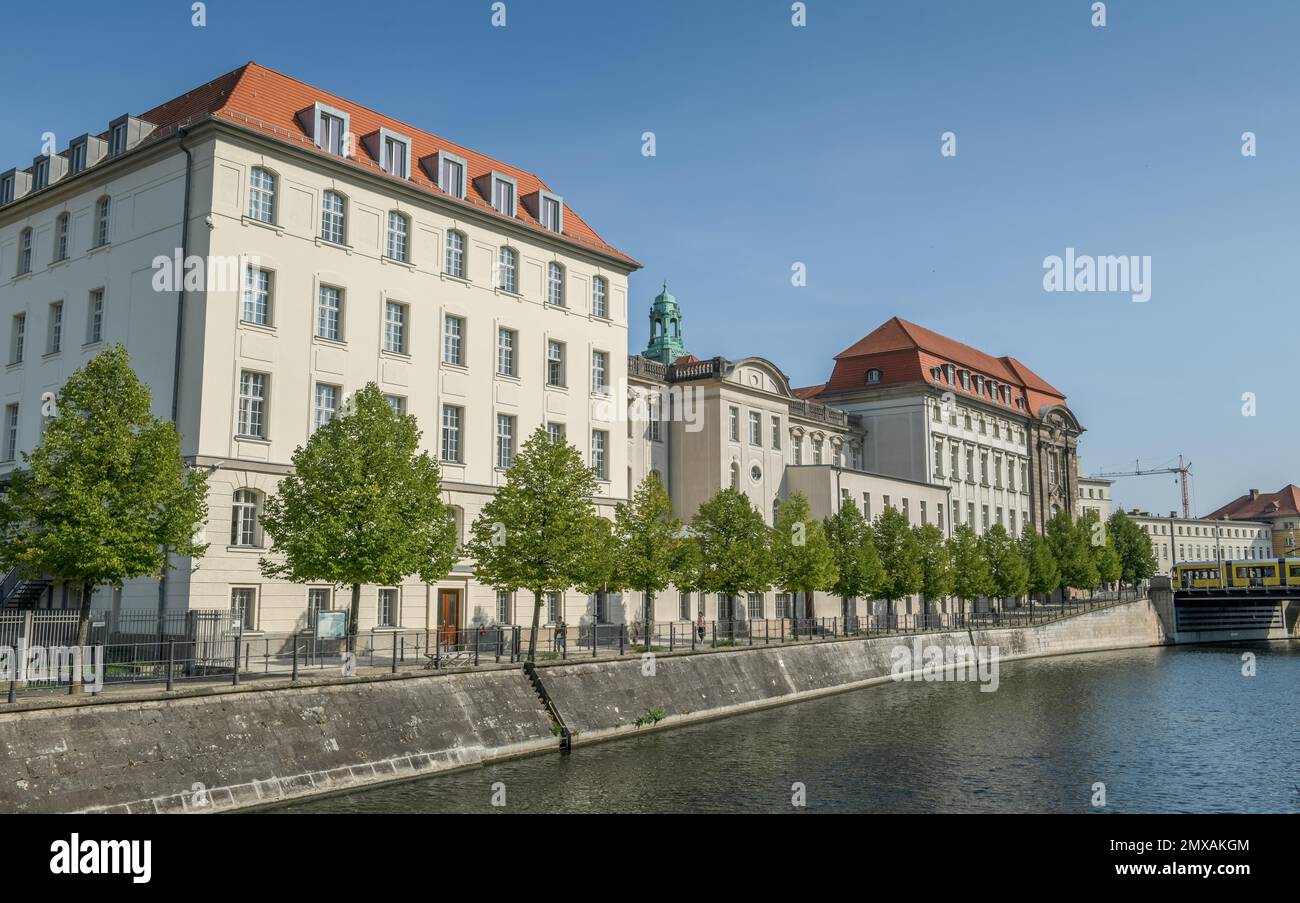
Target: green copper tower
{"x":665,"y":329}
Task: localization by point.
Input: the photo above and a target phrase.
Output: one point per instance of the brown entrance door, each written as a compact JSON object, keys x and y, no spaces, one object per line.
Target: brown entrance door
{"x":448,"y":615}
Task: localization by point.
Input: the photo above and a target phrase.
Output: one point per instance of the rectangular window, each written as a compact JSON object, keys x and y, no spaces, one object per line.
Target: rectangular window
{"x":654,"y":415}
{"x":327,"y":404}
{"x":261,"y":195}
{"x":395,"y":246}
{"x":55,"y":341}
{"x":243,"y":604}
{"x":555,"y":363}
{"x":599,"y":373}
{"x":923,"y":513}
{"x":95,"y":317}
{"x":252,"y":404}
{"x":7,"y":190}
{"x":329,"y":313}
{"x":61,"y":237}
{"x":503,"y":196}
{"x":970,"y":514}
{"x":984,"y":518}
{"x":455,"y":254}
{"x":506,"y":351}
{"x":452,"y":174}
{"x":551,"y":213}
{"x":394,"y":157}
{"x":733,"y":423}
{"x":599,"y":298}
{"x":257,"y":297}
{"x":755,"y":608}
{"x":866,"y":506}
{"x":599,"y":457}
{"x":956,"y":514}
{"x":505,"y":440}
{"x":330,"y":135}
{"x":11,"y":432}
{"x":555,"y":431}
{"x":683,"y":606}
{"x":504,"y":615}
{"x":755,"y":428}
{"x":776,"y":433}
{"x":397,"y":403}
{"x":332,"y":223}
{"x":453,"y":345}
{"x":555,"y":284}
{"x":25,"y":252}
{"x":1012,"y":515}
{"x":41,"y":174}
{"x":395,"y":327}
{"x":18,"y":339}
{"x":318,"y":600}
{"x":553,"y":608}
{"x":102,"y":221}
{"x":451,"y":420}
{"x":387,"y":607}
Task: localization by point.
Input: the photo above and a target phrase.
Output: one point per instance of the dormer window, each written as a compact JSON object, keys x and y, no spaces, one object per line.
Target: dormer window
{"x":328,"y":128}
{"x":965,"y":379}
{"x":448,"y":171}
{"x":393,"y":151}
{"x":117,"y":135}
{"x":7,"y":189}
{"x":503,"y":194}
{"x":552,"y":211}
{"x":40,"y":173}
{"x":873,"y":375}
{"x":76,"y":158}
{"x":331,"y":135}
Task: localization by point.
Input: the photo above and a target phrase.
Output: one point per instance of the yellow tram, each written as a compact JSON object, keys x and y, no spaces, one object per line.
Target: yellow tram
{"x":1237,"y":573}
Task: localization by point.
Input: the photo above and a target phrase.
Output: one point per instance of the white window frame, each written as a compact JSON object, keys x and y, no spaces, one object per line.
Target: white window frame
{"x":329,"y":314}
{"x":397,"y":237}
{"x":255,"y":307}
{"x":555,"y":364}
{"x":396,"y":320}
{"x":450,"y":447}
{"x":453,"y":340}
{"x":507,"y":340}
{"x":95,"y":317}
{"x":508,"y":270}
{"x":506,"y":205}
{"x":555,"y":279}
{"x":253,"y":394}
{"x":261,"y":195}
{"x":550,"y":206}
{"x":103,"y":220}
{"x":325,"y":404}
{"x":600,"y":297}
{"x":244,"y":510}
{"x":454,"y":258}
{"x":334,"y":222}
{"x":505,"y":441}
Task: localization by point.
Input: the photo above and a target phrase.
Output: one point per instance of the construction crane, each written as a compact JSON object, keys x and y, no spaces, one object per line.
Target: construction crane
{"x":1184,"y":472}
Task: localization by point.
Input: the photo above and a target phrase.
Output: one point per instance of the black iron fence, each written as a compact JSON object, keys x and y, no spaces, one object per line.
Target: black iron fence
{"x":213,"y":647}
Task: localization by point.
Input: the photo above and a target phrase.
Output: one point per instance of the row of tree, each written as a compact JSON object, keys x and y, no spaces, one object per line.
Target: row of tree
{"x":106,"y":497}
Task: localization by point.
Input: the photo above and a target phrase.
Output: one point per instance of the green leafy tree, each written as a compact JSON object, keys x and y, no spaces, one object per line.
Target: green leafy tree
{"x":536,"y":531}
{"x":900,"y":557}
{"x":857,"y":563}
{"x":1007,"y":566}
{"x":802,"y":558}
{"x":1044,"y":575}
{"x":1101,"y":545}
{"x":362,"y":505}
{"x":938,"y":570}
{"x":647,"y":544}
{"x":106,"y":497}
{"x":1070,"y":546}
{"x":733,"y":546}
{"x":1137,"y":557}
{"x":974,"y":574}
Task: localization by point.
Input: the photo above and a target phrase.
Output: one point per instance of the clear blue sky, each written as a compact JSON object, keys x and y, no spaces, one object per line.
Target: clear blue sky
{"x":821,"y":145}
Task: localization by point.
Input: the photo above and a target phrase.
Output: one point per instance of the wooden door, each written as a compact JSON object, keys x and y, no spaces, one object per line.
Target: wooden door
{"x":448,"y":615}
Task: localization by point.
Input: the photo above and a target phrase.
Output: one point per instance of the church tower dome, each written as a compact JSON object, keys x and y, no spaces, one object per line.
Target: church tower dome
{"x":665,"y":329}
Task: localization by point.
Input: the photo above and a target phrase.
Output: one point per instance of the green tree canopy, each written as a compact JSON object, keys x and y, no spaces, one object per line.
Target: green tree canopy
{"x":1133,"y":544}
{"x":1044,"y":575}
{"x":647,"y":544}
{"x":900,"y":557}
{"x":853,"y":546}
{"x":535,"y":532}
{"x":974,"y":576}
{"x":1070,"y":546}
{"x":735,"y":556}
{"x":802,"y":558}
{"x":938,"y":569}
{"x":106,"y":496}
{"x":1007,"y":566}
{"x":362,"y":506}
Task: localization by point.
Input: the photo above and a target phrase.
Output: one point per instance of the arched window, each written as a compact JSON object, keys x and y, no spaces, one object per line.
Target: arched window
{"x":455,"y":254}
{"x":735,"y":475}
{"x":555,"y":284}
{"x":658,"y":329}
{"x":61,"y":237}
{"x":456,"y":515}
{"x":244,"y":527}
{"x":873,"y":375}
{"x":677,"y":328}
{"x":398,"y":228}
{"x":507,"y":270}
{"x":25,"y":251}
{"x":600,"y":298}
{"x":333,"y":218}
{"x":103,"y":210}
{"x":261,"y":195}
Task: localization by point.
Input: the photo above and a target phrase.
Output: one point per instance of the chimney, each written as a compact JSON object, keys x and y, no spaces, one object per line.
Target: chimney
{"x":1254,"y":494}
{"x":1173,"y":514}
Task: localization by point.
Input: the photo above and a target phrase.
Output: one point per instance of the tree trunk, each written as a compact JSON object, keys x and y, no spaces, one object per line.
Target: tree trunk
{"x":532,"y":634}
{"x":649,"y":617}
{"x":354,"y":618}
{"x":83,"y":637}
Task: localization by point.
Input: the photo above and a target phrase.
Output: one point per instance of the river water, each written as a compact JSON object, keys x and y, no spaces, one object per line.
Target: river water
{"x":1166,"y":730}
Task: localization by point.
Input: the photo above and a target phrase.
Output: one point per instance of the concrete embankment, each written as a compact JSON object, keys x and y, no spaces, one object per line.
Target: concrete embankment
{"x":602,"y":699}
{"x":217,"y":750}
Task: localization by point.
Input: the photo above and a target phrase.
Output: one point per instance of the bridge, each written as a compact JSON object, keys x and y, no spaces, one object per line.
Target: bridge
{"x":1227,"y":614}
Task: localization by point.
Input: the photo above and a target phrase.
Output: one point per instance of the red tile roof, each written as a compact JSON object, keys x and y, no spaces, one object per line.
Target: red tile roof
{"x":808,"y":393}
{"x":905,"y":353}
{"x":1267,"y":504}
{"x":267,"y":101}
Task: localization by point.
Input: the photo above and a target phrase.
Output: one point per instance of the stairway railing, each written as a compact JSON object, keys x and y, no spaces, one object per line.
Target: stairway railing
{"x":10,"y":583}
